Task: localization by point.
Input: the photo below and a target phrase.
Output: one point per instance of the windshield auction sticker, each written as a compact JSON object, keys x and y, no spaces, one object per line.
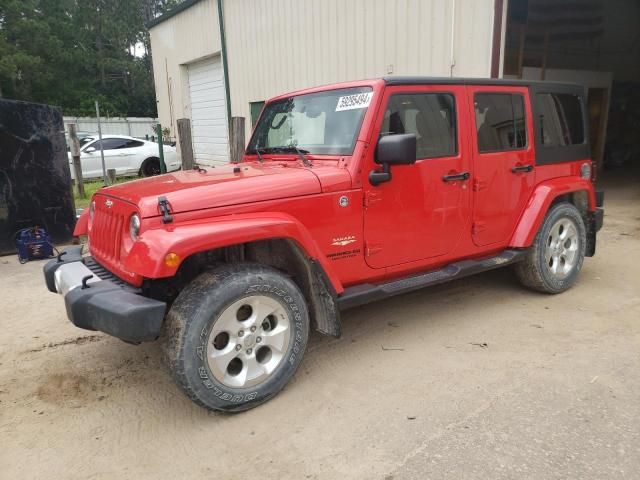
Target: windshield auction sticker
{"x":351,"y":102}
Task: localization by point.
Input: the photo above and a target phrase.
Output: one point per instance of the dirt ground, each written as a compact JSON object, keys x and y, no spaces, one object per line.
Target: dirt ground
{"x":475,"y":379}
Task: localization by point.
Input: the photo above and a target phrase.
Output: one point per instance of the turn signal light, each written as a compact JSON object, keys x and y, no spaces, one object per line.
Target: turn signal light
{"x":585,"y":171}
{"x":172,"y":259}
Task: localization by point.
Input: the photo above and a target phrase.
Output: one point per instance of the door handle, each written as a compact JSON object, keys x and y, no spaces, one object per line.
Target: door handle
{"x":522,"y":169}
{"x":456,"y":176}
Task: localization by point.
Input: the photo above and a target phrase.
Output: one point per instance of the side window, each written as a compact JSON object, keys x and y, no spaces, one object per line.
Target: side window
{"x":560,"y":119}
{"x":255,"y":108}
{"x":430,"y":116}
{"x":112,"y":143}
{"x":133,"y":144}
{"x":500,"y":122}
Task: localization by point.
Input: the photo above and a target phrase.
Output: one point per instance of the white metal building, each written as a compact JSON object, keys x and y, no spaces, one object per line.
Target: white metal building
{"x":275,"y":46}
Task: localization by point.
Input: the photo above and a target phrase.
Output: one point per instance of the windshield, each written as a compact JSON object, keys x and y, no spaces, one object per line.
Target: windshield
{"x":325,"y":123}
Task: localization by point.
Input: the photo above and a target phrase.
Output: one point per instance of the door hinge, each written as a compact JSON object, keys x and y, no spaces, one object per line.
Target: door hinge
{"x":372,"y":248}
{"x":372,"y":197}
{"x":479,"y":185}
{"x":478,"y":227}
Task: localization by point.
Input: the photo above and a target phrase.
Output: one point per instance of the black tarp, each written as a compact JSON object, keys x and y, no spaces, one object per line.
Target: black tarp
{"x":35,"y":181}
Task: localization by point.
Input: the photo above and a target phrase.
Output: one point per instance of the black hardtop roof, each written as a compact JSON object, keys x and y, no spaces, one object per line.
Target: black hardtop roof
{"x":501,"y":82}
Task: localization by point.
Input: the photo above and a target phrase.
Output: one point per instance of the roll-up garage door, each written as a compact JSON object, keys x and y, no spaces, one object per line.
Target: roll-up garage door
{"x":208,"y":112}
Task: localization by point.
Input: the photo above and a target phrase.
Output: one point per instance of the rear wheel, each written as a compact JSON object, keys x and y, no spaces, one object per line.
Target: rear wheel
{"x":555,"y":259}
{"x":235,"y":336}
{"x":150,"y":167}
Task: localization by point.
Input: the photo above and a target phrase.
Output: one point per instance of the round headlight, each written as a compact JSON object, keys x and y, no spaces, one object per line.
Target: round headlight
{"x":134,"y":227}
{"x":92,"y":211}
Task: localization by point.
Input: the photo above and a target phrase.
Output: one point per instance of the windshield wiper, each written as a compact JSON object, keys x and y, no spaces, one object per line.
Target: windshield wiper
{"x":259,"y":155}
{"x":304,"y":159}
{"x":292,"y":148}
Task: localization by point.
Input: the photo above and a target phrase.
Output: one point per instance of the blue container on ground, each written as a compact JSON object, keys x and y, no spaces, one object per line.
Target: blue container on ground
{"x":33,"y":244}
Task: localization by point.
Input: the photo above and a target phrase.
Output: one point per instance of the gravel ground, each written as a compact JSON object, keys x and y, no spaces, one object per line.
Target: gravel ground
{"x":475,"y":379}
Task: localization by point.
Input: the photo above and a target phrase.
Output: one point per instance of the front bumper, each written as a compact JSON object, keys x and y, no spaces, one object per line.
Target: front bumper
{"x":97,"y":300}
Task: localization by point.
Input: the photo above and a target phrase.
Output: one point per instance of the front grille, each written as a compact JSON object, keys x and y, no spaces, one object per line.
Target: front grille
{"x":106,"y":234}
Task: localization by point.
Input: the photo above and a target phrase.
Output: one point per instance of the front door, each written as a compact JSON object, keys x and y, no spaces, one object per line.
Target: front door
{"x":90,"y":160}
{"x":115,"y":156}
{"x":503,"y":166}
{"x":422,"y":211}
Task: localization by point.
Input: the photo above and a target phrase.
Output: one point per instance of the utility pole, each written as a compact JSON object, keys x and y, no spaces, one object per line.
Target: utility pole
{"x":75,"y":155}
{"x":104,"y":168}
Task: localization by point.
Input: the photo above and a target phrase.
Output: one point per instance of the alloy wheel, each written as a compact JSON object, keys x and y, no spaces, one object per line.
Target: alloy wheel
{"x":561,"y":251}
{"x":248,"y":341}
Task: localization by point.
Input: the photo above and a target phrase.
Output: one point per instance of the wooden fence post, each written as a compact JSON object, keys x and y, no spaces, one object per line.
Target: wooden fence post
{"x":186,"y":145}
{"x":111,"y":174}
{"x":75,"y":155}
{"x":236,"y":140}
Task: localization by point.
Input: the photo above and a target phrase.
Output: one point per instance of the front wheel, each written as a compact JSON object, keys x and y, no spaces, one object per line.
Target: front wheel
{"x":554,"y":260}
{"x":235,"y":336}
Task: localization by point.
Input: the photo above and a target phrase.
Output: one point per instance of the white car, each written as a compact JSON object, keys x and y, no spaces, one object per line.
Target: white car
{"x":128,"y":155}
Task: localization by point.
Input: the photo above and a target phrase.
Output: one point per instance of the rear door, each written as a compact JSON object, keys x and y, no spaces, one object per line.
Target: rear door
{"x":503,"y":158}
{"x":133,"y":153}
{"x":423,"y":211}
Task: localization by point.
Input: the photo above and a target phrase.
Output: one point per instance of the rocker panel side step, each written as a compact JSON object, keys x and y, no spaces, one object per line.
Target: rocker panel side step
{"x":366,"y":293}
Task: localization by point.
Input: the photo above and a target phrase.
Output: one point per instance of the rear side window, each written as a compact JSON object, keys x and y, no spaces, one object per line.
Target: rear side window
{"x":430,"y":116}
{"x":111,"y":143}
{"x":500,"y":122}
{"x":134,"y":144}
{"x":560,"y":119}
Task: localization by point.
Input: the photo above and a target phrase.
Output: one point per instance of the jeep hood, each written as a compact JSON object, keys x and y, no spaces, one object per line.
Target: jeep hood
{"x":216,"y":187}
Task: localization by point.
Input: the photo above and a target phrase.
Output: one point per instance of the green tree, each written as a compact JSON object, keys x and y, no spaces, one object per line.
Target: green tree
{"x":72,"y":52}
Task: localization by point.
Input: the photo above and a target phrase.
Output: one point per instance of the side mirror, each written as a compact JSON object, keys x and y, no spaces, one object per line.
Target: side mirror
{"x":397,"y":149}
{"x":90,"y":150}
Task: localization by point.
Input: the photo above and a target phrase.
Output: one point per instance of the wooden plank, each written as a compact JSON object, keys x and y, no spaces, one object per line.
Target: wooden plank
{"x":75,"y":155}
{"x":186,"y":144}
{"x":236,"y":142}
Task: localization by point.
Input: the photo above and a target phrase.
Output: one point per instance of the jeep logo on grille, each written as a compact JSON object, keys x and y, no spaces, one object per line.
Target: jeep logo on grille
{"x":109,"y":203}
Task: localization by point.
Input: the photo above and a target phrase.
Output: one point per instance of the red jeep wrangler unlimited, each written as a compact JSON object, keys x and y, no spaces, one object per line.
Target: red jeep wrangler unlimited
{"x":347,"y":193}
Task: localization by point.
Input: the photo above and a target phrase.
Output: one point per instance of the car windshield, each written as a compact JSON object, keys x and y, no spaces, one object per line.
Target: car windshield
{"x":324,"y":123}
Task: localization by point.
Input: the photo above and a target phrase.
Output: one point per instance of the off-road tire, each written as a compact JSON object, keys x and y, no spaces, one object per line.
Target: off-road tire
{"x":534,"y":271}
{"x":193,"y":315}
